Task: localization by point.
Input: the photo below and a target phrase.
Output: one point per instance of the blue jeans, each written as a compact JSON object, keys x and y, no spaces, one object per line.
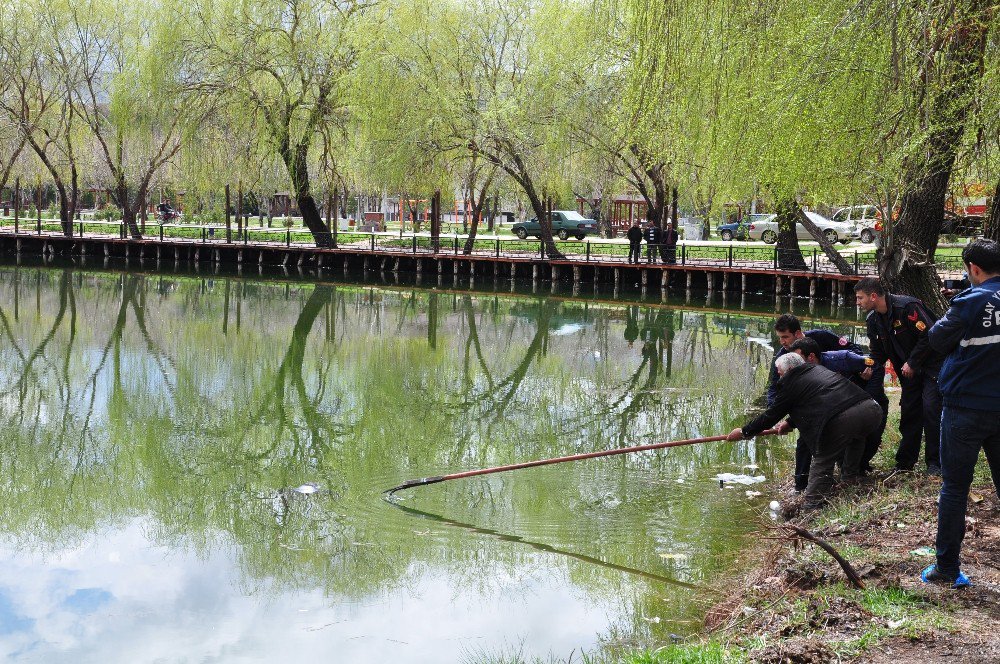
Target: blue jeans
{"x":963,"y":433}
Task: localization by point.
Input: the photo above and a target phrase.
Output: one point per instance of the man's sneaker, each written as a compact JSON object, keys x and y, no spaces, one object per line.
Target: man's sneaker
{"x":934,"y":471}
{"x":933,"y":575}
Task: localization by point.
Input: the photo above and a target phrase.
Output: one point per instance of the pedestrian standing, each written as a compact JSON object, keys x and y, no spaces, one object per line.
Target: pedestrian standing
{"x":634,"y":236}
{"x":897,"y":331}
{"x":670,"y":237}
{"x":652,"y":235}
{"x":969,"y":336}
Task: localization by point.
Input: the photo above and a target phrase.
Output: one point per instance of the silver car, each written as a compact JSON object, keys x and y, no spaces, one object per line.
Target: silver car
{"x":835,"y":231}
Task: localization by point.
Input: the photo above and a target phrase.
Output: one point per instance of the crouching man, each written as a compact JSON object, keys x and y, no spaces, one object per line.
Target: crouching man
{"x":833,"y":416}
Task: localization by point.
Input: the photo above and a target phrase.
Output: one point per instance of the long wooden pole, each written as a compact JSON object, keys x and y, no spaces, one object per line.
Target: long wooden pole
{"x":574,"y":457}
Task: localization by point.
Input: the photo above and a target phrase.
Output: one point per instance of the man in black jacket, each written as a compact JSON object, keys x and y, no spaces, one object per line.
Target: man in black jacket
{"x":634,"y":236}
{"x":897,"y":331}
{"x":652,"y":235}
{"x":669,"y":246}
{"x":789,"y":330}
{"x":833,"y":416}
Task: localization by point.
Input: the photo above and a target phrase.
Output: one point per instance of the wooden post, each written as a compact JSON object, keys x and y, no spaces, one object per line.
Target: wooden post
{"x":239,"y":210}
{"x":229,"y":221}
{"x":38,"y":203}
{"x":17,"y":204}
{"x":336,"y":214}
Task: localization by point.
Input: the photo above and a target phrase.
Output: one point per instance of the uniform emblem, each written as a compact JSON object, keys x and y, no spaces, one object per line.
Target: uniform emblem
{"x":869,"y":362}
{"x":914,"y":316}
{"x":897,"y":323}
{"x":842,"y":341}
{"x":921,"y":326}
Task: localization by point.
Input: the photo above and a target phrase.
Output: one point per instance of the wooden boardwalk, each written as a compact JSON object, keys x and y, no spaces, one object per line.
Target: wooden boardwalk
{"x":719,"y":266}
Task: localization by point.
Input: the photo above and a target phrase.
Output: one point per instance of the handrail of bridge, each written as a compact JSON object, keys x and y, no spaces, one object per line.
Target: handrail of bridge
{"x":747,"y":256}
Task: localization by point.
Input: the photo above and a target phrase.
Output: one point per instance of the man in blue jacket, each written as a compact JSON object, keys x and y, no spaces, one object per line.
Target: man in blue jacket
{"x":969,"y":334}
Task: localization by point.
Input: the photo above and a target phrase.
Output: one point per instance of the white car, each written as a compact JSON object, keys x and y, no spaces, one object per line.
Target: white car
{"x":835,"y":231}
{"x":867,"y":218}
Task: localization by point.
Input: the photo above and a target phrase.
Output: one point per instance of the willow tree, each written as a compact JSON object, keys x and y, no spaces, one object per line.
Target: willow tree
{"x":495,"y":80}
{"x":130,"y":64}
{"x":285,"y":64}
{"x":36,"y":94}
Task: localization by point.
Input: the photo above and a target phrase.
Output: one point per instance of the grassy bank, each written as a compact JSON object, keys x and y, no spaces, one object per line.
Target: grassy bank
{"x":797,"y":606}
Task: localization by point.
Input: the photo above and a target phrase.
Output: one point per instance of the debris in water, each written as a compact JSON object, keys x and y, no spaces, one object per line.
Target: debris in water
{"x":674,"y":556}
{"x":774,"y":505}
{"x":307,"y":488}
{"x":924,"y":551}
{"x":751,"y":466}
{"x":680,"y":480}
{"x":654,"y":619}
{"x":739,"y":479}
{"x":753,"y":494}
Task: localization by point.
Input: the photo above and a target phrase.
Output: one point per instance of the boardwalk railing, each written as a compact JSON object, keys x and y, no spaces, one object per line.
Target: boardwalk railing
{"x":697,"y":255}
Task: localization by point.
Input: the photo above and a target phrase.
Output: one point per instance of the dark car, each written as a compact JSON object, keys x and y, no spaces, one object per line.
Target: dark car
{"x":965,"y":225}
{"x":565,"y":223}
{"x":733,"y":231}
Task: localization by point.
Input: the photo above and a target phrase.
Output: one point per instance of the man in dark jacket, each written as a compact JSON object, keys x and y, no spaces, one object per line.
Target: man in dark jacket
{"x":969,"y":336}
{"x":833,"y":417}
{"x":652,"y":236}
{"x":670,"y":237}
{"x":634,"y":236}
{"x":897,"y":331}
{"x":789,"y":330}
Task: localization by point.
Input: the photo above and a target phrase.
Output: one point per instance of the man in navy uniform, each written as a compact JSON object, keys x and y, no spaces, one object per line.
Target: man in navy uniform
{"x":897,"y":331}
{"x":969,"y":336}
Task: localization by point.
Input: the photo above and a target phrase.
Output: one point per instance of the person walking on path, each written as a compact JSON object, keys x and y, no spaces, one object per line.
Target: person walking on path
{"x":652,"y":236}
{"x":634,"y":236}
{"x":969,"y":336}
{"x":832,"y":414}
{"x":669,"y":246}
{"x":897,"y":331}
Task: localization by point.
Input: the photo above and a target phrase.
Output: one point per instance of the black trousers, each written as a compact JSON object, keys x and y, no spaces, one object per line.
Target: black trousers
{"x":634,"y":251}
{"x":651,"y":251}
{"x":919,"y":413}
{"x":669,"y":253}
{"x":874,"y":440}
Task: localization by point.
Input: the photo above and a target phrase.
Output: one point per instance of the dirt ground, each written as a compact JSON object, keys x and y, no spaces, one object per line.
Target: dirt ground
{"x":798,"y":607}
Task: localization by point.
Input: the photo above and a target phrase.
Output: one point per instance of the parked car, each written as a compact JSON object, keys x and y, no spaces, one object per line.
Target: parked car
{"x":966,"y":225}
{"x":867,"y":218}
{"x":737,"y":230}
{"x":835,"y":231}
{"x":564,"y":224}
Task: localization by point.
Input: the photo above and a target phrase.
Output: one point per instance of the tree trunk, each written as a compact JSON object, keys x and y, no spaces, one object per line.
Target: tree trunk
{"x":789,"y":254}
{"x":907,"y":263}
{"x":991,"y":226}
{"x":831,"y":252}
{"x":298,"y":172}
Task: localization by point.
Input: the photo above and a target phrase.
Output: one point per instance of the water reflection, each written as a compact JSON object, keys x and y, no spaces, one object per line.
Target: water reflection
{"x":153,"y":426}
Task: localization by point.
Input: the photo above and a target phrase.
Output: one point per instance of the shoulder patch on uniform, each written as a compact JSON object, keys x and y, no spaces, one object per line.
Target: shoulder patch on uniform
{"x":869,"y":362}
{"x":914,"y":316}
{"x":921,"y":325}
{"x":842,"y":341}
{"x":897,"y":323}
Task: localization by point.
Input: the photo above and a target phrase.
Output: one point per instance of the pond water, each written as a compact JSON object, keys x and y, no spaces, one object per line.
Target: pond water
{"x":162,"y":437}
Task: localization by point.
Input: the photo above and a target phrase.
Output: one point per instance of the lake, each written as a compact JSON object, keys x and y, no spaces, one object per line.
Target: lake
{"x":193,"y":467}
